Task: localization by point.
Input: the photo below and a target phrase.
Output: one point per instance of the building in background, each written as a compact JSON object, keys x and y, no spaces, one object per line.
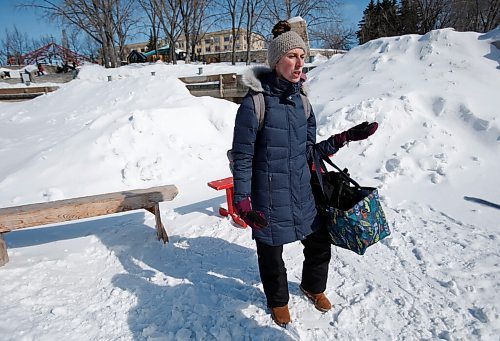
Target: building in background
{"x":212,"y":47}
{"x":216,"y":46}
{"x":222,"y":41}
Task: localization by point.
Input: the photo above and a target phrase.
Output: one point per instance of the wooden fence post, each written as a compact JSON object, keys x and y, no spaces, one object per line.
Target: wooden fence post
{"x":221,"y":86}
{"x":4,"y":257}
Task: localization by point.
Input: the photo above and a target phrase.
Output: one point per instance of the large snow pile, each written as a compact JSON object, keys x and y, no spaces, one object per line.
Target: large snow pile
{"x":436,"y":97}
{"x":434,"y":158}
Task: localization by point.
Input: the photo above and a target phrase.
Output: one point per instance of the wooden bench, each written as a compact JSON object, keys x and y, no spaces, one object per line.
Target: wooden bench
{"x":14,"y":218}
{"x":228,"y":185}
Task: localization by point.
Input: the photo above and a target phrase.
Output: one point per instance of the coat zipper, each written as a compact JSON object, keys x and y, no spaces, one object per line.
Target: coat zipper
{"x":270,"y":193}
{"x":287,"y":110}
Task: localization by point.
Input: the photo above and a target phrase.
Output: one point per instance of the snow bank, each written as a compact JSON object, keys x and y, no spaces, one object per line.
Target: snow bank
{"x":436,"y":99}
{"x":136,"y":131}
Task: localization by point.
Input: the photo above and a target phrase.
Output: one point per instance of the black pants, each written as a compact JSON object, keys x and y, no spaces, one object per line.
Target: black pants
{"x":317,"y":254}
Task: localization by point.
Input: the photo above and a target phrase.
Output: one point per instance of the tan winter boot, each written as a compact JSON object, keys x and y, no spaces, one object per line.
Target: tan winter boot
{"x":281,"y":315}
{"x":321,"y":302}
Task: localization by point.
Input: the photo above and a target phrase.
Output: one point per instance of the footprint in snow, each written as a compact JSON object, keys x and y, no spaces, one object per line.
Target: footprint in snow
{"x":479,"y":314}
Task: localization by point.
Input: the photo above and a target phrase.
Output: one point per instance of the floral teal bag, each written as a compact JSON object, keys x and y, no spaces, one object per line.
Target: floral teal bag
{"x":353,"y":214}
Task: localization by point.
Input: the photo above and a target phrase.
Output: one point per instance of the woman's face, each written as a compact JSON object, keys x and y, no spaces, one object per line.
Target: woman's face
{"x":290,"y":65}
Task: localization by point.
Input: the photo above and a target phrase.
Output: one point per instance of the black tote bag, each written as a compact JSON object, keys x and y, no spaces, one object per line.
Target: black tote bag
{"x":353,"y":214}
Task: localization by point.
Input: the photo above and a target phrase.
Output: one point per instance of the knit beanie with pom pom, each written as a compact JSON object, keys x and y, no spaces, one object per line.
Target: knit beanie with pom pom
{"x":283,"y":43}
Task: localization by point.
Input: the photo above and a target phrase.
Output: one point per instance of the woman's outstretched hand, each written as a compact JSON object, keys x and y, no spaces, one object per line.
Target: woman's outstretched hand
{"x":254,"y":219}
{"x":357,"y":133}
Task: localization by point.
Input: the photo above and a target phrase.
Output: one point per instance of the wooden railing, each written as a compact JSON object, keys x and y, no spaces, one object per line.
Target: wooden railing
{"x":25,"y":93}
{"x":228,"y":86}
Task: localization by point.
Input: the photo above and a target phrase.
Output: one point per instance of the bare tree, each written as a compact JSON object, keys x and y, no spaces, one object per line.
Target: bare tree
{"x":169,"y":16}
{"x":202,"y":20}
{"x":315,"y":12}
{"x":194,"y":17}
{"x":72,"y":39}
{"x":432,"y":14}
{"x":335,"y":36}
{"x":254,"y":11}
{"x":102,"y":20}
{"x":320,"y":15}
{"x":489,"y":15}
{"x":148,"y":7}
{"x":94,"y":17}
{"x":14,"y":45}
{"x":476,"y":15}
{"x":187,"y":8}
{"x":236,"y":10}
{"x":463,"y":15}
{"x":124,"y":20}
{"x":90,"y":48}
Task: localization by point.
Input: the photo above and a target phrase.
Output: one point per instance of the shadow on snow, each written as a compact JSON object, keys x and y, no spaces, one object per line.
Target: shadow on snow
{"x":192,"y":288}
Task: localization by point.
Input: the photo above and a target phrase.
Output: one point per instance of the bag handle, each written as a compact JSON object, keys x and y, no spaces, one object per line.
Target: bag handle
{"x":319,"y":163}
{"x":351,"y":180}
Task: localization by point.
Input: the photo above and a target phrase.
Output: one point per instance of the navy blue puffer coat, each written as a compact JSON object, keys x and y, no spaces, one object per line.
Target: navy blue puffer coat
{"x":271,"y":165}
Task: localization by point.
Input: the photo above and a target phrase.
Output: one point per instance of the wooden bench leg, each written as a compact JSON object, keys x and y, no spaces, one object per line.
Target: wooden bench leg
{"x":161,"y":233}
{"x":4,"y":257}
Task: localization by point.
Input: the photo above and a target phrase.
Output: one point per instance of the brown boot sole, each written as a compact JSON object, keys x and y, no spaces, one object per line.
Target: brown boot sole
{"x":282,"y":325}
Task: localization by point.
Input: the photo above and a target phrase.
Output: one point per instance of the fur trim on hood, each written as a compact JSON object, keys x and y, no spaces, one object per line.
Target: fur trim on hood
{"x":252,"y":78}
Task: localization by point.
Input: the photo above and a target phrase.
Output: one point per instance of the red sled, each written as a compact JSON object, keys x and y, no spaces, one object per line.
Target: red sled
{"x":228,"y":185}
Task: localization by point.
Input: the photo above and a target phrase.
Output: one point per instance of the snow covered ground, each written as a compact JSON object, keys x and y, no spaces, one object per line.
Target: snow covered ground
{"x":435,"y":160}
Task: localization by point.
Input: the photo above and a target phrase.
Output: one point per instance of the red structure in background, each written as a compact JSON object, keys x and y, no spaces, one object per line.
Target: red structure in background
{"x":53,"y":51}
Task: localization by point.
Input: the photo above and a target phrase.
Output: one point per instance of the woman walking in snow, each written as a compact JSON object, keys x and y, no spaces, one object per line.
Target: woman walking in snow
{"x":271,"y":170}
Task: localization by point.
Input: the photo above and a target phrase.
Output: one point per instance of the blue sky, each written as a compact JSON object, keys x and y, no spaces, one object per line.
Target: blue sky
{"x":26,"y":20}
{"x":31,"y":22}
{"x":352,"y":10}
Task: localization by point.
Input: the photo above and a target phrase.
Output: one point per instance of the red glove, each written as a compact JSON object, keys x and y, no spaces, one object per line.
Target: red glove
{"x":254,"y":219}
{"x":356,"y":133}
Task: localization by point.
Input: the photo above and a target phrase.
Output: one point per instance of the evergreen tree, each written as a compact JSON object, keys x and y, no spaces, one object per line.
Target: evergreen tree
{"x":385,"y":18}
{"x":367,"y":24}
{"x":408,"y":17}
{"x":388,"y":20}
{"x":379,"y":20}
{"x":378,"y":28}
